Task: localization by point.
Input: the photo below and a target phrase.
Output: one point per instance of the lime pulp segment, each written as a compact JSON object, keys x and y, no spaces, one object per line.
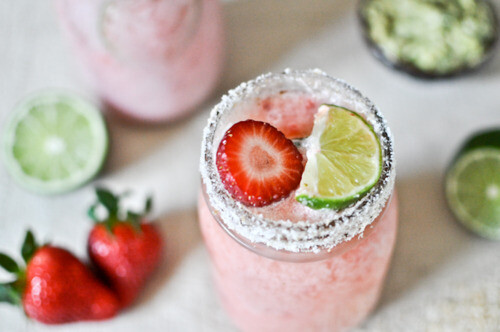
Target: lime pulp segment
{"x":473,"y":191}
{"x":54,"y":143}
{"x":344,"y":159}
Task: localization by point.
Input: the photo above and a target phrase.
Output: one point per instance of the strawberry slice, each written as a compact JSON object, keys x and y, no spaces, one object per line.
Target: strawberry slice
{"x":257,"y":164}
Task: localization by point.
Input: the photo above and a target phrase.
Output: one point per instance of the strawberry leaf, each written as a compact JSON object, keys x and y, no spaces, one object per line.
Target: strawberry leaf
{"x":109,"y":226}
{"x":116,"y":214}
{"x":108,"y":200}
{"x":91,"y":213}
{"x":149,"y":205}
{"x":8,"y":263}
{"x":134,"y":219}
{"x":9,"y":294}
{"x":29,"y":246}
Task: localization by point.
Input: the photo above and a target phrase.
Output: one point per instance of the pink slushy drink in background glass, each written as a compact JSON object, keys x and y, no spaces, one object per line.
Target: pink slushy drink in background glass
{"x":285,"y":266}
{"x":150,"y":60}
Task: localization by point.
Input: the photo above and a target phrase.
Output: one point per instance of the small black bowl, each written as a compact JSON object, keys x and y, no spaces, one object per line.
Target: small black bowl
{"x":409,"y":68}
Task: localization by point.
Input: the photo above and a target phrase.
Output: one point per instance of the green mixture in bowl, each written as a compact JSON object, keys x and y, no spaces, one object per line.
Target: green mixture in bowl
{"x":436,"y":37}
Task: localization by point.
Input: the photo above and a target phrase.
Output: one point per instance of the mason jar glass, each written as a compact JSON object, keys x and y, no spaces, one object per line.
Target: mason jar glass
{"x":149,"y":60}
{"x":283,"y":268}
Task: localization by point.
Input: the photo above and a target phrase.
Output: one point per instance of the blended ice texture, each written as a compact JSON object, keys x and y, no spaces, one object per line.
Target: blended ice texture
{"x":149,"y":60}
{"x":333,"y":294}
{"x":296,"y":269}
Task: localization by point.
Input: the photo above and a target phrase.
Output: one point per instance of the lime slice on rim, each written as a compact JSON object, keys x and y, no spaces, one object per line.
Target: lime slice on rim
{"x":473,"y":185}
{"x":344,"y":159}
{"x":54,"y":142}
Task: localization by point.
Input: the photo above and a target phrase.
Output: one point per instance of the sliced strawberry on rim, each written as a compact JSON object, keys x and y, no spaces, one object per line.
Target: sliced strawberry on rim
{"x":257,"y":164}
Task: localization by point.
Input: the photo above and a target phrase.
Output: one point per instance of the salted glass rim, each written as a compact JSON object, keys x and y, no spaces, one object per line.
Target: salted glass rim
{"x":302,"y":236}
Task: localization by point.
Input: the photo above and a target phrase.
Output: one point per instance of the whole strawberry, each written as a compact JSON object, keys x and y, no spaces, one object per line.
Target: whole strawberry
{"x":55,"y":287}
{"x":124,"y":248}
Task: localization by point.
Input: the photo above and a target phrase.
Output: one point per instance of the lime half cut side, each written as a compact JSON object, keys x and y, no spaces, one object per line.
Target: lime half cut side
{"x":473,"y":191}
{"x":344,"y":159}
{"x":54,"y":142}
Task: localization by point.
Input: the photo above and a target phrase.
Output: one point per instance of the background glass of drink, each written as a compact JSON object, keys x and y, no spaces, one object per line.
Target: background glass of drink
{"x":150,"y":60}
{"x":286,"y":267}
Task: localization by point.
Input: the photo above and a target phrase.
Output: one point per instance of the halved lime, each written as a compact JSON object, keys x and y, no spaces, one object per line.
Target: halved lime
{"x":473,"y":185}
{"x":54,"y":142}
{"x":344,"y":159}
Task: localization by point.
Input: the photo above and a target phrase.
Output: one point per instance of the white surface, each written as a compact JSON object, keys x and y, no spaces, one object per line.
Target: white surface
{"x":442,"y":278}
